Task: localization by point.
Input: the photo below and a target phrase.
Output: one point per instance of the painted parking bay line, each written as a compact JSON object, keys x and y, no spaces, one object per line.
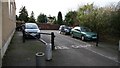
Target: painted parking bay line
{"x":81,"y":46}
{"x":73,"y":46}
{"x":61,"y":47}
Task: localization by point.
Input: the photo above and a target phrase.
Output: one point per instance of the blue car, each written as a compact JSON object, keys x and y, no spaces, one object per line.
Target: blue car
{"x":64,"y":29}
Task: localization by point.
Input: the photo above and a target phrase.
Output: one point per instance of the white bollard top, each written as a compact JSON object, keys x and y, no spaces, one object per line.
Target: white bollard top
{"x":40,"y":54}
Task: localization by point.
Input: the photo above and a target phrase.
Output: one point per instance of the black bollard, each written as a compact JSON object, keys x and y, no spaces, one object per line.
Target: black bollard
{"x":52,"y":40}
{"x":23,"y":32}
{"x":97,"y":40}
{"x":119,"y":46}
{"x":119,"y":54}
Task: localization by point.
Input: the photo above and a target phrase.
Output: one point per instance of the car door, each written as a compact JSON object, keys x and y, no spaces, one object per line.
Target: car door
{"x":76,"y":32}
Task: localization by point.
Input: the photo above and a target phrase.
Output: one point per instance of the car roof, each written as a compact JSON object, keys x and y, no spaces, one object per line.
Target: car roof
{"x":62,"y":25}
{"x":30,"y":23}
{"x":80,"y":27}
{"x":77,"y":27}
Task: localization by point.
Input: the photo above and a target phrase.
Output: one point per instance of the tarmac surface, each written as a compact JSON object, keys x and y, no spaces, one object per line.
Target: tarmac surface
{"x":65,"y":54}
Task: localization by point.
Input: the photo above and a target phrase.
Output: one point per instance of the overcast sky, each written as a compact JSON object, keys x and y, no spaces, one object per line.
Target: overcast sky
{"x":52,"y":7}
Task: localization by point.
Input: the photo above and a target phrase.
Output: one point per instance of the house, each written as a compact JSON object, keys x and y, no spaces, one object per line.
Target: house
{"x":50,"y":20}
{"x":7,"y":24}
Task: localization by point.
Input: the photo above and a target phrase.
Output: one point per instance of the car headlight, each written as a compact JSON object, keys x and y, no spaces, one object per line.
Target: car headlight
{"x":38,"y":31}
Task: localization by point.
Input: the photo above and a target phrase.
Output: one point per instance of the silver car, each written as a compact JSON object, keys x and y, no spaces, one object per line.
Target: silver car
{"x":31,"y":30}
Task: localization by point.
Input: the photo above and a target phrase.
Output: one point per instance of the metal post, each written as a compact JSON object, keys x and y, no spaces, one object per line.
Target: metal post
{"x":97,"y":39}
{"x":40,"y":61}
{"x":48,"y":52}
{"x":119,"y":58}
{"x":23,"y":36}
{"x":119,"y":45}
{"x":52,"y":40}
{"x":119,"y":54}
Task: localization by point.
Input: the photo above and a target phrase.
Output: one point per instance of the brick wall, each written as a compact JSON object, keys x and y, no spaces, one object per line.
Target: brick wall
{"x":43,"y":26}
{"x":46,"y":26}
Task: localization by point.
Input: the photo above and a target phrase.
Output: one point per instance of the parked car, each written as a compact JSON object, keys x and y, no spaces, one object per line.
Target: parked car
{"x":64,"y":29}
{"x":84,"y":33}
{"x":31,"y":30}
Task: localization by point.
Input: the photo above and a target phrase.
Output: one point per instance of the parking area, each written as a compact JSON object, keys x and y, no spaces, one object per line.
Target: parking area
{"x":22,"y":54}
{"x":68,"y":52}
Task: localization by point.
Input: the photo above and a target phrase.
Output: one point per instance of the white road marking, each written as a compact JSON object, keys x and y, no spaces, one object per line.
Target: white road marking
{"x":111,"y":58}
{"x":81,"y":46}
{"x":75,"y":46}
{"x":85,"y":46}
{"x":61,"y":47}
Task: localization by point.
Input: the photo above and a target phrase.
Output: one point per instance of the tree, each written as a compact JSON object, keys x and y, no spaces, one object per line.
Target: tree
{"x":91,"y":17}
{"x":105,"y":20}
{"x":71,"y":18}
{"x":115,"y":20}
{"x":84,"y":14}
{"x":42,"y":18}
{"x":23,"y":16}
{"x":32,"y":18}
{"x":59,"y":18}
{"x":17,"y":18}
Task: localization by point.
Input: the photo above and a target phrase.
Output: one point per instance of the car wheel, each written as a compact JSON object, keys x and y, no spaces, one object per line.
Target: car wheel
{"x":60,"y":32}
{"x":72,"y":35}
{"x":82,"y":38}
{"x":38,"y":37}
{"x":64,"y":33}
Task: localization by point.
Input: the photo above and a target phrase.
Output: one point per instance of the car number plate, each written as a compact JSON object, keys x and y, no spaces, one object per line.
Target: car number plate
{"x":94,"y":37}
{"x":32,"y":34}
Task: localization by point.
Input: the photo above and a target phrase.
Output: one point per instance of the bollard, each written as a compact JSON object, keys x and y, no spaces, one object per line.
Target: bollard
{"x":119,"y":45}
{"x":119,"y":54}
{"x":40,"y":61}
{"x":96,"y":42}
{"x":97,"y":39}
{"x":119,"y":58}
{"x":48,"y":52}
{"x":23,"y":32}
{"x":52,"y":40}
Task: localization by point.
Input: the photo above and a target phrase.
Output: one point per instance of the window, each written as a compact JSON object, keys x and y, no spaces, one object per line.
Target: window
{"x":84,"y":29}
{"x":31,"y":26}
{"x":10,"y":7}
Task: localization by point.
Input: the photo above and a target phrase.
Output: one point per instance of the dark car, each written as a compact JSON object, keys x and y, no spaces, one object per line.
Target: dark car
{"x":84,"y":33}
{"x":64,"y":29}
{"x":31,"y":30}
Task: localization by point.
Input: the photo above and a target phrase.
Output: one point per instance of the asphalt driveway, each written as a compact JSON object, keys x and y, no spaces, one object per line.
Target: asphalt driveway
{"x":68,"y":52}
{"x":22,"y":54}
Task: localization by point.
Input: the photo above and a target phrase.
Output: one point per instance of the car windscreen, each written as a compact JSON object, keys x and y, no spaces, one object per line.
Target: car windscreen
{"x":31,"y":26}
{"x":84,"y":29}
